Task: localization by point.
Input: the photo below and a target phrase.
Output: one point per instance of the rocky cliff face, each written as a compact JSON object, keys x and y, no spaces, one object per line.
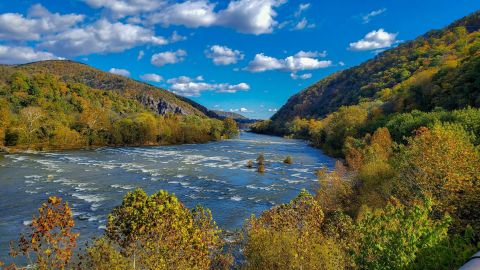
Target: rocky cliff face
{"x":161,"y":106}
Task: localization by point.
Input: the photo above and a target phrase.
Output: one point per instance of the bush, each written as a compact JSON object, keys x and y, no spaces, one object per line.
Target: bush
{"x":158,"y":232}
{"x":288,"y":160}
{"x":394,"y":237}
{"x":289,"y":237}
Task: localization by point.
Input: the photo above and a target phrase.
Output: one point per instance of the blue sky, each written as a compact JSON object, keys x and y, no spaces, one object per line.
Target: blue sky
{"x":240,"y":55}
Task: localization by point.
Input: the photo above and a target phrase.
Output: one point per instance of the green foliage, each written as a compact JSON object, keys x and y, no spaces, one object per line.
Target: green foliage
{"x":40,"y":111}
{"x":394,"y":237}
{"x":230,"y":128}
{"x":103,"y":256}
{"x":441,"y":163}
{"x":438,"y":69}
{"x":289,"y":237}
{"x":158,"y":232}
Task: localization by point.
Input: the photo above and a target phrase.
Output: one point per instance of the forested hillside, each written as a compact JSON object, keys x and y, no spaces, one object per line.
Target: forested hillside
{"x":64,"y":105}
{"x":155,"y":98}
{"x":406,"y":194}
{"x":438,"y":69}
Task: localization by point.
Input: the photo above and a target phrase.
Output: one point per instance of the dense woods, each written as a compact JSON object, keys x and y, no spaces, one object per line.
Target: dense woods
{"x":438,"y":69}
{"x":407,"y":127}
{"x":40,"y":112}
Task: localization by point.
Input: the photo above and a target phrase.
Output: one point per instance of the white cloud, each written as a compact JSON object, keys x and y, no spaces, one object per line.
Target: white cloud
{"x":222,"y":55}
{"x":242,"y":110}
{"x":40,"y":21}
{"x":301,"y":24}
{"x":273,"y":110}
{"x":263,"y":63}
{"x":141,"y":54}
{"x":245,"y":16}
{"x":151,"y":77}
{"x":187,"y":86}
{"x":21,"y":55}
{"x":192,"y":14}
{"x":175,"y":37}
{"x":250,"y":16}
{"x":369,"y":16}
{"x":119,"y":71}
{"x":298,"y":62}
{"x":122,"y":8}
{"x":170,"y":57}
{"x":341,"y":63}
{"x":101,"y":37}
{"x":302,"y":77}
{"x":301,"y":8}
{"x":311,"y":54}
{"x":374,"y":40}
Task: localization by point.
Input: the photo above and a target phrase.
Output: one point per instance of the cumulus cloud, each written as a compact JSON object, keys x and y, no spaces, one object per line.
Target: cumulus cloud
{"x":187,"y":86}
{"x":250,"y":16}
{"x":122,"y":8}
{"x":222,"y":55}
{"x":263,"y":63}
{"x":170,"y":57}
{"x":21,"y":55}
{"x":298,"y":62}
{"x":377,"y":39}
{"x":151,"y":77}
{"x":119,"y":71}
{"x":246,"y":16}
{"x":101,"y":37}
{"x":189,"y":13}
{"x":370,"y":15}
{"x":40,"y":21}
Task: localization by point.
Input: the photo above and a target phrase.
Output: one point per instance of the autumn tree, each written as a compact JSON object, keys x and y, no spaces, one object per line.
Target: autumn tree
{"x":393,"y":237}
{"x":441,"y":163}
{"x":50,"y":241}
{"x":289,"y":237}
{"x":230,"y":127}
{"x":31,"y":118}
{"x":158,"y":232}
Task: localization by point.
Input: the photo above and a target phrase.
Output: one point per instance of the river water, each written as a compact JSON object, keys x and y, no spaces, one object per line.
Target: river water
{"x":213,"y":175}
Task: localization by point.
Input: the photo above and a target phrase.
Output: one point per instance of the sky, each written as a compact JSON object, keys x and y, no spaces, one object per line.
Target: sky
{"x":246,"y":56}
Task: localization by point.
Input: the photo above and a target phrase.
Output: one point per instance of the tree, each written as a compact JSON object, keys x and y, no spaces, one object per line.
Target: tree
{"x":50,"y":240}
{"x":289,"y":237}
{"x":442,"y":164}
{"x":103,"y":256}
{"x":31,"y":117}
{"x":158,"y":232}
{"x":230,"y":128}
{"x":393,"y":237}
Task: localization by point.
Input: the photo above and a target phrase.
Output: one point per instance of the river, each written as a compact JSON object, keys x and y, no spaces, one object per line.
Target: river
{"x":213,"y":175}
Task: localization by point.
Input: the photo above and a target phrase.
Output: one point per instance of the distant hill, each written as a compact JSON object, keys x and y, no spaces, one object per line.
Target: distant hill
{"x":438,"y":69}
{"x":68,"y":105}
{"x":233,"y":115}
{"x":155,"y":98}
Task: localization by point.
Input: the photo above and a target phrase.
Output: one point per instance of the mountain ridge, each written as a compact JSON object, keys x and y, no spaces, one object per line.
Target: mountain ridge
{"x":155,"y":98}
{"x":388,"y":70}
